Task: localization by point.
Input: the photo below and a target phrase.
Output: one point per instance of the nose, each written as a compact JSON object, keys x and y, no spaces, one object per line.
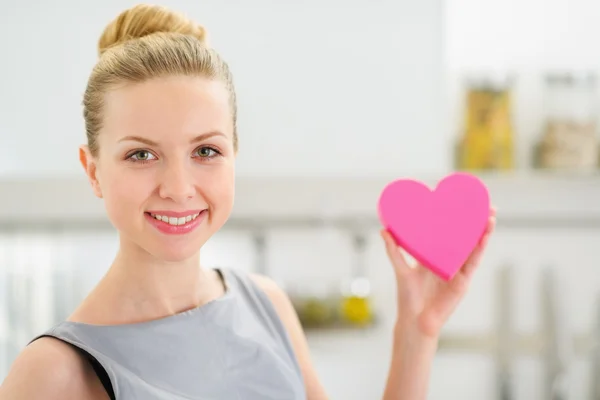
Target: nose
{"x":177,"y":184}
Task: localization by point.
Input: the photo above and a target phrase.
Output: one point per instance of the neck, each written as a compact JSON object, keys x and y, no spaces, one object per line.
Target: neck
{"x":143,"y":288}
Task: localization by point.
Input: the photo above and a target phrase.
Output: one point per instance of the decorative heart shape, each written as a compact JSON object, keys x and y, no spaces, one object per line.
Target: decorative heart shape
{"x":439,"y":228}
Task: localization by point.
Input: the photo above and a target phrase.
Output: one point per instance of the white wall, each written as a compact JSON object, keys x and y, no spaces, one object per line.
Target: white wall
{"x":529,"y":35}
{"x":358,"y":79}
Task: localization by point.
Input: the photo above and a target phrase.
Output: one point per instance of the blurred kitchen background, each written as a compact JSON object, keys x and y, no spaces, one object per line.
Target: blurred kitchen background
{"x":336,"y":99}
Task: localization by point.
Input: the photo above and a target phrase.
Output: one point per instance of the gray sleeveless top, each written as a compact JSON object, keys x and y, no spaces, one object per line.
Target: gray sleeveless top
{"x":232,"y":348}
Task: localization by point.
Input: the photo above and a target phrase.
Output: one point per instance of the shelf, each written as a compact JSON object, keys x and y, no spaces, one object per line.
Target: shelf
{"x":520,"y":198}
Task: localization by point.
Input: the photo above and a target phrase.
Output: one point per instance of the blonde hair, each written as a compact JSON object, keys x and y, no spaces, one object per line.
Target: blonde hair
{"x":146,"y":42}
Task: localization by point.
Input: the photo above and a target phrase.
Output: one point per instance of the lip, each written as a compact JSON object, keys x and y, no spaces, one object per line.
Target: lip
{"x":177,"y":214}
{"x":168,"y":229}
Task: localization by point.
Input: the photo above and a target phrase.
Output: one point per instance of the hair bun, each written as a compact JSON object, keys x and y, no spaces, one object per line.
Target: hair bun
{"x":143,"y":20}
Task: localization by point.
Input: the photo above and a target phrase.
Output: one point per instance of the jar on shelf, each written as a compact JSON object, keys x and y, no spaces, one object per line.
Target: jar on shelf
{"x":569,"y":138}
{"x":487,"y":142}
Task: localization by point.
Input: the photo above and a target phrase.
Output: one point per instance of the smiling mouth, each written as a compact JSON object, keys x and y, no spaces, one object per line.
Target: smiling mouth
{"x":175,"y":221}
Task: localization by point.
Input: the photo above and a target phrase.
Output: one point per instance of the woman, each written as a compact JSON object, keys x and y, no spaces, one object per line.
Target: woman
{"x":160,"y":114}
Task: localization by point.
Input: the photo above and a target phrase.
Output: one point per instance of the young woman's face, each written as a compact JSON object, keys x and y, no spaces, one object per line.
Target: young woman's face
{"x":166,"y":164}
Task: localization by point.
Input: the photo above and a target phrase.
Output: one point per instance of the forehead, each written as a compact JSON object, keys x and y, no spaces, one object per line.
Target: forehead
{"x":168,"y":108}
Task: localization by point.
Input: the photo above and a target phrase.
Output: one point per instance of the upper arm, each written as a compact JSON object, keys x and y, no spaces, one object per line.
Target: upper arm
{"x":289,"y":318}
{"x":50,"y":369}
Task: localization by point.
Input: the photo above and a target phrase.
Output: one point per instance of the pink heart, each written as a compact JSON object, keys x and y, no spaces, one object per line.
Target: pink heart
{"x":439,"y":228}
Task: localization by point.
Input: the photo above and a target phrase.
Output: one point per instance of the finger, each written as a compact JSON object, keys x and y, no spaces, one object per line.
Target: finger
{"x":475,"y":258}
{"x":491,"y":226}
{"x":489,"y":229}
{"x":394,"y":253}
{"x":492,"y":211}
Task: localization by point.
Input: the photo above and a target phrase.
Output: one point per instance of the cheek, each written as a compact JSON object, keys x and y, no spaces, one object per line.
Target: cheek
{"x":124,"y":196}
{"x":219,"y":189}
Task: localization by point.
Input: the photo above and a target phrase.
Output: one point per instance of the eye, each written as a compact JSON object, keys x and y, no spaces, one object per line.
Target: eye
{"x":142,"y":155}
{"x":206,"y":152}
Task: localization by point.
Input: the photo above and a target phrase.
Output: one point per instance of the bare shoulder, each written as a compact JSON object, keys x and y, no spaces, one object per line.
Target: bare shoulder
{"x":50,"y":369}
{"x":281,"y":302}
{"x":289,"y":318}
{"x":270,"y":287}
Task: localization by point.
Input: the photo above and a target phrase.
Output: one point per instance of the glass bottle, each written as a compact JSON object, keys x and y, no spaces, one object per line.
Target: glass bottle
{"x":356,"y":307}
{"x":488,"y":139}
{"x":569,"y":137}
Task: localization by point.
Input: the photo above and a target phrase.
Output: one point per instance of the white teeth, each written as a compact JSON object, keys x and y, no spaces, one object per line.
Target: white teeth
{"x":174,"y":220}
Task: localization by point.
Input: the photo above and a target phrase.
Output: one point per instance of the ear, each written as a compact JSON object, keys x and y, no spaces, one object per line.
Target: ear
{"x":89,"y":164}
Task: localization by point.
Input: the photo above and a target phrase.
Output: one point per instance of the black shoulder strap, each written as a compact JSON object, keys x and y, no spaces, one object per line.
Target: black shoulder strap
{"x":98,"y":368}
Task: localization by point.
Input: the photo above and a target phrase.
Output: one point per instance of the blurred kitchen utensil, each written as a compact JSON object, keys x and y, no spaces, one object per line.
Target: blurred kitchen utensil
{"x":19,"y":295}
{"x":260,"y":247}
{"x":356,"y":306}
{"x":595,"y":376}
{"x":559,"y":347}
{"x":315,"y":299}
{"x":504,"y":333}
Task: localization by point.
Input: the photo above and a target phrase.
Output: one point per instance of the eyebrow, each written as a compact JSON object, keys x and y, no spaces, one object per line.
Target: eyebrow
{"x":149,"y":142}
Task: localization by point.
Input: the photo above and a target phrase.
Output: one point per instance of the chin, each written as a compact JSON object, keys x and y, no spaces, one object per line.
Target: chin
{"x":174,"y":252}
{"x":168,"y":249}
{"x":175,"y":256}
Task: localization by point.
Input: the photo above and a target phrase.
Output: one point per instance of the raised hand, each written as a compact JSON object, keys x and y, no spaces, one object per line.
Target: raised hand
{"x":425,"y":299}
